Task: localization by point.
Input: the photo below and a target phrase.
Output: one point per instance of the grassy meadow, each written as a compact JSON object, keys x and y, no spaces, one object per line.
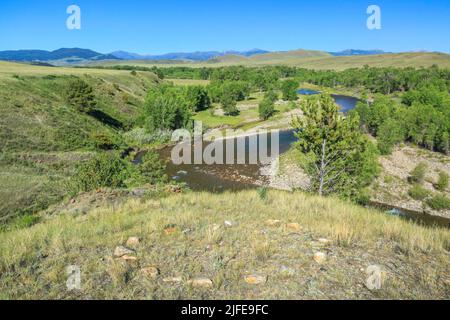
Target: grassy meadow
{"x":319,"y":61}
{"x":224,"y":238}
{"x":41,"y":138}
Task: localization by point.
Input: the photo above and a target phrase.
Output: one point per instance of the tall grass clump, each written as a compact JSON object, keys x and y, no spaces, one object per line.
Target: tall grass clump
{"x":417,"y":175}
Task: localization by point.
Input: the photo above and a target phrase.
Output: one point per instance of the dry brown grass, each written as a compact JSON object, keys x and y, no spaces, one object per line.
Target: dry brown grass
{"x":416,"y":258}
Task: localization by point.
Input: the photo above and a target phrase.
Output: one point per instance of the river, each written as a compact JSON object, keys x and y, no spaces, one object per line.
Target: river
{"x":222,"y":177}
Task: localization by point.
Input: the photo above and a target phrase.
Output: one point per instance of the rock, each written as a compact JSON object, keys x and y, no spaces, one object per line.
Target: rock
{"x":139,"y":192}
{"x":320,"y":257}
{"x":273,"y":223}
{"x":151,"y":272}
{"x":229,"y":224}
{"x":173,"y":279}
{"x":133,"y":241}
{"x":120,"y":251}
{"x":201,"y":283}
{"x":375,"y":277}
{"x":293,"y":227}
{"x":170,"y":230}
{"x":255,"y":279}
{"x":128,"y":258}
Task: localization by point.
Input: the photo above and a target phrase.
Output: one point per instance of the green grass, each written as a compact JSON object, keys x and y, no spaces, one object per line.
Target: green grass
{"x":34,"y":260}
{"x":32,"y":181}
{"x":42,"y":138}
{"x":213,"y":121}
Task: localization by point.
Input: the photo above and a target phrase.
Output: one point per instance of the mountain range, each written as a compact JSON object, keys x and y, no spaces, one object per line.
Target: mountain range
{"x":69,"y":56}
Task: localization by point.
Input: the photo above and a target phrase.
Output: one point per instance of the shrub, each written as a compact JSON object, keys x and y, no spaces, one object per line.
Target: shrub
{"x":104,"y":141}
{"x":229,"y":105}
{"x":266,"y":109}
{"x":442,"y":183}
{"x":418,"y":173}
{"x":439,"y":202}
{"x":152,"y":169}
{"x":79,"y":95}
{"x":389,"y":134}
{"x":104,"y":170}
{"x":417,"y":192}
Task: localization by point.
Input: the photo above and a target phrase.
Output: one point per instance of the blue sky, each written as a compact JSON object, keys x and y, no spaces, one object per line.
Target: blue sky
{"x":149,"y":26}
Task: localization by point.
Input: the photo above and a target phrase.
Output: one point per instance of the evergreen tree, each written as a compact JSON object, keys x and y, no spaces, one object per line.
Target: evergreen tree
{"x":338,"y":157}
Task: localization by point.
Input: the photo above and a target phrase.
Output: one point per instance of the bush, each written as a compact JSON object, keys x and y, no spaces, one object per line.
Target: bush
{"x":152,"y":169}
{"x":266,"y":109}
{"x":442,"y":183}
{"x":417,"y":192}
{"x":104,"y":141}
{"x":229,"y":105}
{"x":418,"y":173}
{"x":439,"y":202}
{"x":79,"y":95}
{"x":389,"y":134}
{"x":104,"y":170}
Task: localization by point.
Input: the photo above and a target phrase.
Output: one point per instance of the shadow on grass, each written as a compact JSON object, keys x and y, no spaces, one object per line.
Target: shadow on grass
{"x":106,"y":119}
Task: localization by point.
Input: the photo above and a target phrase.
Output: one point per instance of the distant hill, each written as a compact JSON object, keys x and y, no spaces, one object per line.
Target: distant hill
{"x":57,"y":57}
{"x":356,"y":52}
{"x":270,"y":57}
{"x":187,"y":56}
{"x":306,"y":59}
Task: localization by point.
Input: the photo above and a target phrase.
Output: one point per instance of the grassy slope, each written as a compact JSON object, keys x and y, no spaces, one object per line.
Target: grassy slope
{"x":415,"y":59}
{"x":36,"y":121}
{"x":416,"y":259}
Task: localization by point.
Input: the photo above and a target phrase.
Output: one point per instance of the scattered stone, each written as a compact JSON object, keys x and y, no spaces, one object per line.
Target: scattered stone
{"x":151,"y":272}
{"x":293,"y":227}
{"x":186,"y":231}
{"x":375,"y":277}
{"x":201,"y":283}
{"x":72,"y":201}
{"x":324,"y":241}
{"x":170,"y":230}
{"x":139,"y":192}
{"x":120,"y":251}
{"x":229,"y":224}
{"x":255,"y":279}
{"x":133,"y":241}
{"x":320,"y":257}
{"x":129,"y":258}
{"x":173,"y":279}
{"x":273,"y":223}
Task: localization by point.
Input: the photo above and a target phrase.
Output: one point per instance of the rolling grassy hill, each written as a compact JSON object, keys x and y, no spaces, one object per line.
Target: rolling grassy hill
{"x":310,"y":60}
{"x":223,"y":239}
{"x":41,"y":138}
